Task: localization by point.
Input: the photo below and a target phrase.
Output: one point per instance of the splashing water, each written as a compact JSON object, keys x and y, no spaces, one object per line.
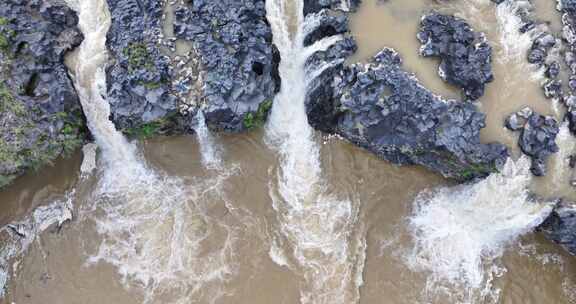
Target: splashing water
{"x":152,"y":226}
{"x":210,"y":151}
{"x":460,"y":232}
{"x":317,"y":229}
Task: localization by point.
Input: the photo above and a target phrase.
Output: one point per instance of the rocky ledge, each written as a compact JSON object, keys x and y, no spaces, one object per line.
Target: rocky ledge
{"x":465,"y":56}
{"x":228,"y":66}
{"x":384,"y":109}
{"x":40,"y":114}
{"x":238,"y":62}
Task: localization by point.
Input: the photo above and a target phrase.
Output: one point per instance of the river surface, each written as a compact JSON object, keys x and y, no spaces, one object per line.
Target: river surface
{"x":285,"y":214}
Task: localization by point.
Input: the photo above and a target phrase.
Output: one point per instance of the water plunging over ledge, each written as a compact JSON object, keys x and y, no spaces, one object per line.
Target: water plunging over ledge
{"x":316,"y":229}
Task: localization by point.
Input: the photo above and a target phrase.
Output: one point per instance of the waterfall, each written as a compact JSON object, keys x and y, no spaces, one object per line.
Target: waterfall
{"x":315,"y":228}
{"x":152,"y":226}
{"x":209,"y":150}
{"x":460,"y":232}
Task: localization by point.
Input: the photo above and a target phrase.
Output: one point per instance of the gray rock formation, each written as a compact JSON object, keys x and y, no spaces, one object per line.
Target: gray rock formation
{"x":40,"y":114}
{"x":238,"y":62}
{"x":384,"y":109}
{"x":465,"y":56}
{"x":537,"y":137}
{"x":560,"y":226}
{"x":138,"y":78}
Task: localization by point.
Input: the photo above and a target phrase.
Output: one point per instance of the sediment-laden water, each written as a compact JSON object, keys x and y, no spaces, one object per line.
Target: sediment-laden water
{"x":286,"y":214}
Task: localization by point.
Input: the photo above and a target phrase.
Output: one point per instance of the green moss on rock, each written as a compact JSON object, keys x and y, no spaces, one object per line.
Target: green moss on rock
{"x":138,"y":57}
{"x":258,"y":119}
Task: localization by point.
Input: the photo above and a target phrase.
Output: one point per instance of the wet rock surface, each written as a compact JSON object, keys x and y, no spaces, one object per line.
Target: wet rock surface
{"x":40,"y":113}
{"x":238,"y":62}
{"x":465,"y":56}
{"x":560,"y":226}
{"x":537,"y":137}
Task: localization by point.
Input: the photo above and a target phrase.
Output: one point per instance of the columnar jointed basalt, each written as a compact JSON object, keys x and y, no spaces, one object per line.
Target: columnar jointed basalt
{"x":40,"y":114}
{"x":465,"y":56}
{"x":138,"y":78}
{"x":237,"y":58}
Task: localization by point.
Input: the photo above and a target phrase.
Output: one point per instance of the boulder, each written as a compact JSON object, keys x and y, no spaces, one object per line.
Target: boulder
{"x":537,"y":137}
{"x":560,"y":226}
{"x":465,"y":56}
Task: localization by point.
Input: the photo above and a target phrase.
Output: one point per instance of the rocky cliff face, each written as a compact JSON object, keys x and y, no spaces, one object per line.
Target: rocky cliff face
{"x":238,"y":62}
{"x":40,"y":114}
{"x":230,"y":70}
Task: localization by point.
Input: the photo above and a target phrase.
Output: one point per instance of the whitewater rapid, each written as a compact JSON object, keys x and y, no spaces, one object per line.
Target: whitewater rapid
{"x":316,"y":229}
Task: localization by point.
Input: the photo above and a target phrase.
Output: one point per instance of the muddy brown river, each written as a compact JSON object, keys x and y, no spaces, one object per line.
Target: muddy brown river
{"x":187,"y":229}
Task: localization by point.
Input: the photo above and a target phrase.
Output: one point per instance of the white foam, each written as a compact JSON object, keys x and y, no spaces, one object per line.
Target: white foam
{"x":460,"y":232}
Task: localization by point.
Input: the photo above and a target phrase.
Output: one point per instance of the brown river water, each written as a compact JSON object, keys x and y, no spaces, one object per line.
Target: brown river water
{"x":209,"y":234}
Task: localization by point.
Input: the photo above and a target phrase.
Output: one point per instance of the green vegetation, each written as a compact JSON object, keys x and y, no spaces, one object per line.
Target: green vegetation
{"x":5,"y":34}
{"x":138,"y":57}
{"x":150,"y":129}
{"x":258,"y":119}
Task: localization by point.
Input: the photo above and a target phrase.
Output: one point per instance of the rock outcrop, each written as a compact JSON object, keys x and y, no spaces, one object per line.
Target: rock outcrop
{"x":238,"y":62}
{"x":138,"y":78}
{"x":465,"y":56}
{"x":560,"y":226}
{"x":384,"y":109}
{"x":40,"y":113}
{"x":537,"y":137}
{"x":230,"y":70}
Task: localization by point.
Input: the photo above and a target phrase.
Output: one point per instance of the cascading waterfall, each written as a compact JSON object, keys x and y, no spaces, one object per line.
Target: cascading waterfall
{"x":317,"y":229}
{"x":152,"y":226}
{"x":460,"y":232}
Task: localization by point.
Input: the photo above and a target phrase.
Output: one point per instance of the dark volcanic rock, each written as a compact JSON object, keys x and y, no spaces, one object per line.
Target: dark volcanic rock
{"x":40,"y":114}
{"x":330,"y":24}
{"x":384,"y":109}
{"x":138,"y":79}
{"x":465,"y":55}
{"x":560,"y":226}
{"x":537,"y":137}
{"x":238,"y":60}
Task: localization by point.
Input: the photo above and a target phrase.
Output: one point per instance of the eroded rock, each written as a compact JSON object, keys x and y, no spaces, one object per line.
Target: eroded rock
{"x":465,"y":55}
